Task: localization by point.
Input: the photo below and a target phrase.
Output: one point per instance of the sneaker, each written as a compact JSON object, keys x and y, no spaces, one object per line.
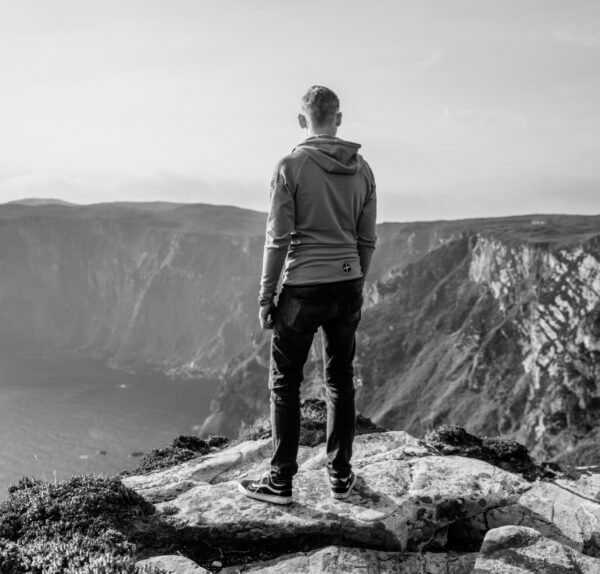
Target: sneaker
{"x":342,"y":487}
{"x":267,"y":489}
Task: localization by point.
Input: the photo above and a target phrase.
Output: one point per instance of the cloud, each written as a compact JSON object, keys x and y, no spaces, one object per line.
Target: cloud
{"x":578,"y":39}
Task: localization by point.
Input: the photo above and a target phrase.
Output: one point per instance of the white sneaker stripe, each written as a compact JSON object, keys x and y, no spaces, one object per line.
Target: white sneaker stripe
{"x":257,"y":486}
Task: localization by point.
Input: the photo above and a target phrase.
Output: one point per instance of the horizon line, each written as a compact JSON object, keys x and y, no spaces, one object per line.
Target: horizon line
{"x":40,"y":202}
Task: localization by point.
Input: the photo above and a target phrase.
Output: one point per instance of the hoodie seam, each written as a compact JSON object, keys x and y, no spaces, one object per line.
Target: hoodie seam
{"x":299,"y":172}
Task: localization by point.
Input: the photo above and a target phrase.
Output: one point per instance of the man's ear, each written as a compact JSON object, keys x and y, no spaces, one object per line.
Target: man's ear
{"x":302,"y":121}
{"x":338,"y":119}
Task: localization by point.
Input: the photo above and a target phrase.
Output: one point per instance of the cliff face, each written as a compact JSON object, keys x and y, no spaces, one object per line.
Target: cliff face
{"x":497,"y":333}
{"x":490,"y":324}
{"x":138,"y":288}
{"x":552,"y":299}
{"x":493,"y":325}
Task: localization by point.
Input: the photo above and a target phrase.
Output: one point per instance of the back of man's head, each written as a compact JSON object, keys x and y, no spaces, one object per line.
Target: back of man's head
{"x":321,"y":104}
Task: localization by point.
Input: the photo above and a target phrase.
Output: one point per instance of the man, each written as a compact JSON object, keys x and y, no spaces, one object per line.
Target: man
{"x":321,"y":233}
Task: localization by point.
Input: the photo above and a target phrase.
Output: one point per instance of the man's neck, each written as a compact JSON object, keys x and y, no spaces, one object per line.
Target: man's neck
{"x":321,"y":132}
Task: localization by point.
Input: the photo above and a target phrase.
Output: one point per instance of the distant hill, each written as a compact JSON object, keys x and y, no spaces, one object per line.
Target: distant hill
{"x":489,"y":323}
{"x":38,"y":201}
{"x":190,"y":217}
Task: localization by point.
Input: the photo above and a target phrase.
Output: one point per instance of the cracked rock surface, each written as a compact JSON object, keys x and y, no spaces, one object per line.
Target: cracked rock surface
{"x":363,"y":561}
{"x":521,"y":550}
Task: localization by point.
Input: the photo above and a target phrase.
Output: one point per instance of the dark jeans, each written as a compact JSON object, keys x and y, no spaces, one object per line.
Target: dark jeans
{"x":301,"y":310}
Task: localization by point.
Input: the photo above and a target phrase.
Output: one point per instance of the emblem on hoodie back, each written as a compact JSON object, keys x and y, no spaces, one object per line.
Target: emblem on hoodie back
{"x":347,"y":267}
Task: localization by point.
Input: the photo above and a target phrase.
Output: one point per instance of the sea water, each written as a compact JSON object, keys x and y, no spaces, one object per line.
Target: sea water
{"x":60,"y":417}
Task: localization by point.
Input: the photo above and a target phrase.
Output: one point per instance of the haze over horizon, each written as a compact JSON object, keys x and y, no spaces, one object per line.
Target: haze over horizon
{"x":468,"y":109}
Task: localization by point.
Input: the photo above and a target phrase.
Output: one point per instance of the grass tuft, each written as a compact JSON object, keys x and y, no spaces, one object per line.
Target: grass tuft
{"x":503,"y":453}
{"x":181,"y":449}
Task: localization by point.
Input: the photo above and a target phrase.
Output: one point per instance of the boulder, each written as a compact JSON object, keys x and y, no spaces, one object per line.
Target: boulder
{"x":522,"y":550}
{"x":172,"y":564}
{"x":562,"y":514}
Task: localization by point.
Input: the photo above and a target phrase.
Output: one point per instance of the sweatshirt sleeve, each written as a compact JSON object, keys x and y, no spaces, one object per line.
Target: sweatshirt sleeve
{"x":280,"y":224}
{"x":366,"y":228}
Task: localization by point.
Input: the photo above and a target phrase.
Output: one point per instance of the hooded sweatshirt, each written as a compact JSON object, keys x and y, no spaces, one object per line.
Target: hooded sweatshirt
{"x":321,"y":224}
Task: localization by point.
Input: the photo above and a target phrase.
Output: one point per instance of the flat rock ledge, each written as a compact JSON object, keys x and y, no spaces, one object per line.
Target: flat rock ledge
{"x":412,"y":510}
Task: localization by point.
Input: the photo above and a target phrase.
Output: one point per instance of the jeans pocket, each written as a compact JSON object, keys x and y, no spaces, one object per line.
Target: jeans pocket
{"x":296,"y":315}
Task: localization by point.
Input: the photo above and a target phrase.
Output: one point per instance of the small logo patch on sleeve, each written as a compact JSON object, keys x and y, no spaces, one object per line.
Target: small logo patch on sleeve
{"x":347,"y":267}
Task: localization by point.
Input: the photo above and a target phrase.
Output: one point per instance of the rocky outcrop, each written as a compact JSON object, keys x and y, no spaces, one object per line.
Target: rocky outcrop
{"x":412,"y":507}
{"x":521,"y":550}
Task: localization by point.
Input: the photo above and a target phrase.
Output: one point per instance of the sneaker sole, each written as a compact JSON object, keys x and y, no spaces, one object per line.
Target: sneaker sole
{"x":342,"y":495}
{"x":266,"y":497}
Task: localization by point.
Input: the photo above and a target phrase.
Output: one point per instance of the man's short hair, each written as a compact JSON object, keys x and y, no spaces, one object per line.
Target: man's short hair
{"x":321,"y":104}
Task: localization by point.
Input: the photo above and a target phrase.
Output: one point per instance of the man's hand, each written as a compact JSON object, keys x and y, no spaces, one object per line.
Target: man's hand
{"x":266,"y":316}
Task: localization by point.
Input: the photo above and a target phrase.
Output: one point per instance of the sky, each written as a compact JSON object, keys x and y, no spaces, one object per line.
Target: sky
{"x":464,"y":108}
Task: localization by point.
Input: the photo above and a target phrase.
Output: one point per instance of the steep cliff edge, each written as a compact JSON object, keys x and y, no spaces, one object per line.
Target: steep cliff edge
{"x":551,"y":297}
{"x":495,"y":333}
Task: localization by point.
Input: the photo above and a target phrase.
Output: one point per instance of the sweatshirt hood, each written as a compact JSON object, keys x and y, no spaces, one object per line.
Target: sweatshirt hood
{"x":331,"y":154}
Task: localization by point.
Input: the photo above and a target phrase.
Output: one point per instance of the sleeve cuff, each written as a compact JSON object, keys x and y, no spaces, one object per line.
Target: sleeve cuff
{"x":265,"y":300}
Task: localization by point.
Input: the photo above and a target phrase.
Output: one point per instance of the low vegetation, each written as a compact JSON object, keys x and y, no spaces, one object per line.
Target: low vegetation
{"x":181,"y":449}
{"x":76,"y":526}
{"x":503,"y":453}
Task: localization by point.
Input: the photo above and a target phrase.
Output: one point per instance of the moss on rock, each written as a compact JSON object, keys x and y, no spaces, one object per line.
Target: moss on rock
{"x":503,"y":453}
{"x":181,"y":449}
